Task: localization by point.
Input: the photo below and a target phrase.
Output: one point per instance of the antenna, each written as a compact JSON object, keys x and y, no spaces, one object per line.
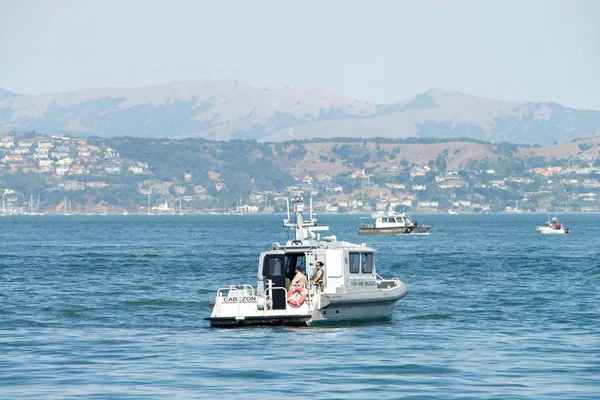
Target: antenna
{"x":303,"y":229}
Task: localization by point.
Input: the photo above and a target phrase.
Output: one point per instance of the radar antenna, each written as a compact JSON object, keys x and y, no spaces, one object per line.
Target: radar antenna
{"x":303,"y":228}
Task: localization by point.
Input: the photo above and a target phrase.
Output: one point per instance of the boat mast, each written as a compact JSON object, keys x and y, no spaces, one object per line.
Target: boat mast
{"x":303,"y":229}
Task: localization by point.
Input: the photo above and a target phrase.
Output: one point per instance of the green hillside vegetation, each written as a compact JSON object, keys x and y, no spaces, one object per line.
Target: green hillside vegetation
{"x":221,"y":174}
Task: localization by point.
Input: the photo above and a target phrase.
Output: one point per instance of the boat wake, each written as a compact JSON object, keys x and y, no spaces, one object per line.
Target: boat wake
{"x":144,"y":255}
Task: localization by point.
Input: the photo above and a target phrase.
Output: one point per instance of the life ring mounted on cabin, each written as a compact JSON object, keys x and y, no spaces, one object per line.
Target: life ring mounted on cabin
{"x":296,"y":296}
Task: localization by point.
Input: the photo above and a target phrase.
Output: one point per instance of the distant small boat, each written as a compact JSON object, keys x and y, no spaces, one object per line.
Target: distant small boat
{"x":553,"y":226}
{"x":392,"y":223}
{"x":452,"y":212}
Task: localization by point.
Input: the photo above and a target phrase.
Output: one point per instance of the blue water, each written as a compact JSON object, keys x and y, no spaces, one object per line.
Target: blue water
{"x":114,"y":307}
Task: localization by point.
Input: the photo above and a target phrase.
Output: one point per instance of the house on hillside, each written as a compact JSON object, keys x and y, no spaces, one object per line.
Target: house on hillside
{"x":78,"y":170}
{"x":71,"y":186}
{"x":97,"y":184}
{"x":44,"y":165}
{"x":61,"y":170}
{"x":65,"y":161}
{"x":7,"y":142}
{"x":427,"y":205}
{"x":13,"y":158}
{"x":220,"y":185}
{"x":395,"y":185}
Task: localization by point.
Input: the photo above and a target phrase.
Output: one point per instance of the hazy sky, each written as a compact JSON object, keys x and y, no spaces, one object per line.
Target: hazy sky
{"x":381,"y":51}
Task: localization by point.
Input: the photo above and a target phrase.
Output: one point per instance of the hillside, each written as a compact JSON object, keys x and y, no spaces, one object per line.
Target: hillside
{"x":224,"y":110}
{"x":5,"y":94}
{"x":126,"y":173}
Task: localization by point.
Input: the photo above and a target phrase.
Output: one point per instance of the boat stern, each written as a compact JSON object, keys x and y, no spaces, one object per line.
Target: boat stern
{"x":239,"y":305}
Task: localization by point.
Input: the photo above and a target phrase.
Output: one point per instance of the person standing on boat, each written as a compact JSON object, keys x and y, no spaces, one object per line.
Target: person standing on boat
{"x":299,"y":278}
{"x":318,"y":276}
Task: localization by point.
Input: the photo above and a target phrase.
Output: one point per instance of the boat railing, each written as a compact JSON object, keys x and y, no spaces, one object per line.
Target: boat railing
{"x":383,"y":283}
{"x":312,"y":290}
{"x":269,"y":295}
{"x":234,"y":290}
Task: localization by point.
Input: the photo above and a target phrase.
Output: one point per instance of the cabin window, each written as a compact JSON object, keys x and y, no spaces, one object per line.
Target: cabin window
{"x":367,"y":263}
{"x":275,"y":266}
{"x":354,"y":263}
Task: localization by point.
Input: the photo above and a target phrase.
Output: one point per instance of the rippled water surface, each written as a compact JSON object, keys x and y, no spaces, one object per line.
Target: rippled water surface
{"x":114,"y":307}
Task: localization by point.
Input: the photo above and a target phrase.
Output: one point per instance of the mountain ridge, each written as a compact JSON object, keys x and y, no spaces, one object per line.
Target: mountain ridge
{"x":230,"y":109}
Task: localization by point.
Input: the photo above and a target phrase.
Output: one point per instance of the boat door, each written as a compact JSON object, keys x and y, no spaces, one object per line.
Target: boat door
{"x":274,"y":269}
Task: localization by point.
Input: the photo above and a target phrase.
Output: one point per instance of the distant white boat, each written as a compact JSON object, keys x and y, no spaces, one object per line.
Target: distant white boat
{"x":391,"y":222}
{"x":554,"y":226}
{"x":452,"y":212}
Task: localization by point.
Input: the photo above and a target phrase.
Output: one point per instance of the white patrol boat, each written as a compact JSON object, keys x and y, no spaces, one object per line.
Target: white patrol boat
{"x":351,"y":289}
{"x":553,"y":226}
{"x":391,"y":222}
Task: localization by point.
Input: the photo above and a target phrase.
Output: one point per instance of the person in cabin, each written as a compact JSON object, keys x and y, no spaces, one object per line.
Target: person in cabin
{"x":299,"y":278}
{"x":318,"y":276}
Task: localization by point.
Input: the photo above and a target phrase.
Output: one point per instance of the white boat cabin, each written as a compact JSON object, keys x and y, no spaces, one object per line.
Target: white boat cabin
{"x":347,"y":267}
{"x":392,"y":219}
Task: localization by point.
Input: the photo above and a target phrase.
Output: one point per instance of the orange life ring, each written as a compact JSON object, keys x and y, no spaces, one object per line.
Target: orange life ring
{"x":296,"y":296}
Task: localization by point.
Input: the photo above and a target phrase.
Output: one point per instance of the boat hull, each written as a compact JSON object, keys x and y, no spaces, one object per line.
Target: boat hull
{"x":344,"y":308}
{"x":358,"y":307}
{"x":282,"y":320}
{"x":381,"y":231}
{"x":552,"y":231}
{"x":393,"y":231}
